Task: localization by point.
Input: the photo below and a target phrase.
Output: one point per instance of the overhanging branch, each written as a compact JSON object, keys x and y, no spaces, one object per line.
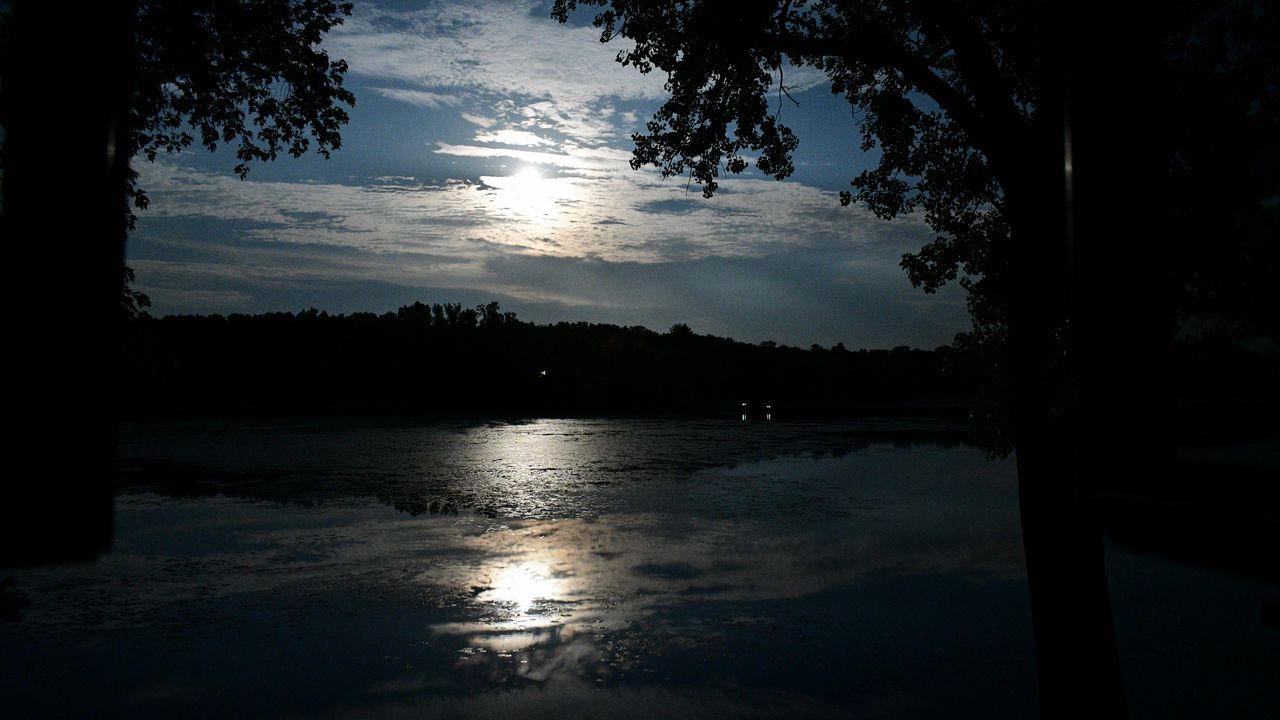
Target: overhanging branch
{"x":871,"y":49}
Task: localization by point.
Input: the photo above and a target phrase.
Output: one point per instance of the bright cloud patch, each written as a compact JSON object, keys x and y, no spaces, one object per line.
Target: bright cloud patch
{"x":513,"y":137}
{"x":477,"y":120}
{"x":610,"y":214}
{"x":421,"y":98}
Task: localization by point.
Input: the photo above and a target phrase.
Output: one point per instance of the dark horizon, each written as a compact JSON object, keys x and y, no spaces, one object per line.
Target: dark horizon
{"x":447,"y":358}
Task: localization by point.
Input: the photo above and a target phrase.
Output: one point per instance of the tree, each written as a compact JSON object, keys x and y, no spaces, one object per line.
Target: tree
{"x":133,"y":303}
{"x":225,"y":71}
{"x":946,"y":158}
{"x":965,"y":104}
{"x":1028,"y":133}
{"x":81,"y":92}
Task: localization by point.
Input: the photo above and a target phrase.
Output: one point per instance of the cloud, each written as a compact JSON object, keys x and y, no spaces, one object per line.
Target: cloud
{"x":763,"y":259}
{"x":421,"y":98}
{"x":793,"y":296}
{"x":513,"y":137}
{"x":507,"y":57}
{"x":538,"y":157}
{"x":483,"y":122}
{"x":588,"y":211}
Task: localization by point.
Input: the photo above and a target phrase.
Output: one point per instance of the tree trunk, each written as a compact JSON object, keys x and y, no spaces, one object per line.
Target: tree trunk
{"x":63,"y":223}
{"x":1077,"y":662}
{"x":1076,"y":657}
{"x":1087,"y":325}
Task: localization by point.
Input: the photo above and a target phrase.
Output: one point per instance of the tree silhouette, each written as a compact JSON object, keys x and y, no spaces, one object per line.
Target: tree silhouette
{"x":950,"y":159}
{"x":133,"y":303}
{"x":230,"y":72}
{"x":488,"y":363}
{"x":81,"y":92}
{"x":1039,"y":139}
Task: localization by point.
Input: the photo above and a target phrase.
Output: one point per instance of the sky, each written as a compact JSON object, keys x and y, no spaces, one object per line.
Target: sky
{"x":487,"y":158}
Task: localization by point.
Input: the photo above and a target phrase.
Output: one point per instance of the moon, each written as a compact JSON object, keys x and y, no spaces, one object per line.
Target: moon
{"x":530,"y":197}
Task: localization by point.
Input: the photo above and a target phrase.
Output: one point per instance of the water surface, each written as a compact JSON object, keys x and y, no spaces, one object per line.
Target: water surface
{"x":608,"y":568}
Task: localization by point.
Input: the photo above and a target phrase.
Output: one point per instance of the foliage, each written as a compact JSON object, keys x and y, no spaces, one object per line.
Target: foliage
{"x":718,"y":106}
{"x":229,"y":72}
{"x":948,"y":93}
{"x":722,"y":59}
{"x":1224,"y":168}
{"x":133,"y":303}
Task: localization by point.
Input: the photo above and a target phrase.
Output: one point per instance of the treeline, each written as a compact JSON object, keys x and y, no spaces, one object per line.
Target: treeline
{"x":450,"y":359}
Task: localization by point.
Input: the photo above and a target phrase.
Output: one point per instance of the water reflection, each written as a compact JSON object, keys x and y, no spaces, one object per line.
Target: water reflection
{"x":518,"y":587}
{"x":538,"y":469}
{"x":811,"y":583}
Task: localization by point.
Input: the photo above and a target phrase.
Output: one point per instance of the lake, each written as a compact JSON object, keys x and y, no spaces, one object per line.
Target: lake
{"x":552,"y":568}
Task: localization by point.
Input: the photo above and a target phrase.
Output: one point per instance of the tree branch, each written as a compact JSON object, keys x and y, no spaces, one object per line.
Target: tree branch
{"x":992,"y":93}
{"x":870,"y":48}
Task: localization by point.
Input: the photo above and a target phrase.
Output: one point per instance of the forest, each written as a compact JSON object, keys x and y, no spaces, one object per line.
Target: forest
{"x":446,"y":359}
